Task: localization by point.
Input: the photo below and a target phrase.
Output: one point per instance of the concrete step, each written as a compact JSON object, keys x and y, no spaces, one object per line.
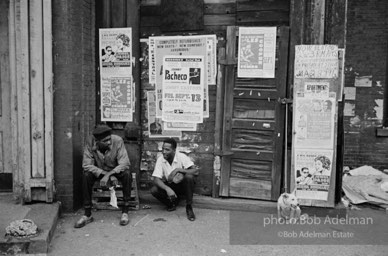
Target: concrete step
{"x":45,"y":216}
{"x":239,"y":204}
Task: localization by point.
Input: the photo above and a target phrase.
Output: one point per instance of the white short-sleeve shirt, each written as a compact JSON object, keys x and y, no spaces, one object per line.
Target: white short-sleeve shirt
{"x":163,"y":168}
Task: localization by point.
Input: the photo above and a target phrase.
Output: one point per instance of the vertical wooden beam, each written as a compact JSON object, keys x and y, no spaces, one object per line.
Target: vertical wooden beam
{"x":133,"y":129}
{"x":36,"y":91}
{"x":219,"y":122}
{"x":297,"y":24}
{"x":318,"y":21}
{"x":228,"y":108}
{"x":119,"y":9}
{"x":106,"y":7}
{"x":23,"y":89}
{"x":18,"y":179}
{"x":48,"y":99}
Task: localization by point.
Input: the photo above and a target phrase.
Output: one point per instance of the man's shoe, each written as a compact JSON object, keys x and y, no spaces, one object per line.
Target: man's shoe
{"x":190,"y":213}
{"x":124,"y":219}
{"x":83,"y":221}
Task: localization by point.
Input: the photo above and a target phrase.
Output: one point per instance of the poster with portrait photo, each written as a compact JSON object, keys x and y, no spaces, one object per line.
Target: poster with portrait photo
{"x":313,"y":169}
{"x":115,"y":46}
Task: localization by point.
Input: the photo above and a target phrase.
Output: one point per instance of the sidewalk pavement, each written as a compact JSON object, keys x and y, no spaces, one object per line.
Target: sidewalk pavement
{"x":154,"y":231}
{"x":151,"y":231}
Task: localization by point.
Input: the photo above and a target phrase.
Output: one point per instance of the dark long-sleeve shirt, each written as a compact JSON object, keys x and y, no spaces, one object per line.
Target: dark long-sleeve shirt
{"x":115,"y":160}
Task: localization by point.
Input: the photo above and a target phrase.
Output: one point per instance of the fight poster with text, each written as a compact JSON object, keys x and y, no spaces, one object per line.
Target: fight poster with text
{"x":116,"y":99}
{"x":314,"y":122}
{"x":116,"y":87}
{"x":316,"y":61}
{"x":183,"y":82}
{"x":313,"y":169}
{"x":256,"y":52}
{"x":156,"y":125}
{"x":204,"y":45}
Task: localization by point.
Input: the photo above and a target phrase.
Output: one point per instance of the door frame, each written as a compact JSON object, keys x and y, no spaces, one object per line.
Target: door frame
{"x":229,"y":81}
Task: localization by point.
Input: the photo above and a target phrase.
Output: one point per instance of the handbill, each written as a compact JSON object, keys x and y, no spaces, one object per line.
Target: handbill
{"x":204,"y":45}
{"x":316,"y":61}
{"x":314,"y":122}
{"x":183,"y":82}
{"x":116,"y":87}
{"x":155,"y":125}
{"x":313,"y":169}
{"x":115,"y":51}
{"x":116,"y":99}
{"x":256,"y":52}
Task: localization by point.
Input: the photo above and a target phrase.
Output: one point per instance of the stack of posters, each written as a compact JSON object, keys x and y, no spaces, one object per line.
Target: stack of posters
{"x":314,"y":119}
{"x":116,"y":90}
{"x":181,"y":67}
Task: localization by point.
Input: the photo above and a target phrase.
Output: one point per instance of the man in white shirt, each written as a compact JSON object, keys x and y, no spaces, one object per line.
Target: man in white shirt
{"x":173,"y":176}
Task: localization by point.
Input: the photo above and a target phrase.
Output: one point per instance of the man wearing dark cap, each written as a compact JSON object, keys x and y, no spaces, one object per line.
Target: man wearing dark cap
{"x":105,"y":158}
{"x":174,"y":176}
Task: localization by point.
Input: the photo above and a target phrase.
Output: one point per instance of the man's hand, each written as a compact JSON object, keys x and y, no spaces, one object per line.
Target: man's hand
{"x":104,"y":180}
{"x":113,"y":181}
{"x":170,"y":192}
{"x":173,"y":173}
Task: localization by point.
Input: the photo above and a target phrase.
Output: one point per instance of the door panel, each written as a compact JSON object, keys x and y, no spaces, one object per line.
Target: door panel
{"x":253,"y":127}
{"x":5,"y":102}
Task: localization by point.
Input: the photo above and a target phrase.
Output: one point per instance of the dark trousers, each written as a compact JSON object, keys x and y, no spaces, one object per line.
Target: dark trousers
{"x":185,"y":187}
{"x":124,"y":177}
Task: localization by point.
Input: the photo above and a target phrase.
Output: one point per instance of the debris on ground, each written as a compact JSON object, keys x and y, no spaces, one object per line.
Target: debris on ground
{"x":365,"y":185}
{"x":21,"y":228}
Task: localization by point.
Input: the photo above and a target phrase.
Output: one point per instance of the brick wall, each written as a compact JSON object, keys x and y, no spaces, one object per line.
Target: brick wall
{"x":74,"y":93}
{"x":366,"y":61}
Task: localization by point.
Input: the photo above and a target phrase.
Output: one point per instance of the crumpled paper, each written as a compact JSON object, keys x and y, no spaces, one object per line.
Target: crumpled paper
{"x":22,"y":228}
{"x":113,"y":197}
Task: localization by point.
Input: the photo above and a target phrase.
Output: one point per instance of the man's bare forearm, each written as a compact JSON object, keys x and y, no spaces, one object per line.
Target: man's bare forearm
{"x":159,"y":183}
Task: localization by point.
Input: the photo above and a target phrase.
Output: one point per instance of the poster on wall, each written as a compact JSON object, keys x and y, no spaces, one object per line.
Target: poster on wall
{"x":316,"y":61}
{"x":313,"y":169}
{"x":256,"y":52}
{"x":181,"y":45}
{"x":116,"y":87}
{"x":116,"y":99}
{"x":155,"y":125}
{"x":314,"y":122}
{"x":183,"y":82}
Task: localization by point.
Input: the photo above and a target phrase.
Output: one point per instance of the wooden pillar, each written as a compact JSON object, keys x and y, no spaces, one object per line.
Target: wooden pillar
{"x":31,"y":64}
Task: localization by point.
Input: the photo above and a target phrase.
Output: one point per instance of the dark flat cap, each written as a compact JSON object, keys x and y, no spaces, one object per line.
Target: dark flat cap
{"x":101,"y":131}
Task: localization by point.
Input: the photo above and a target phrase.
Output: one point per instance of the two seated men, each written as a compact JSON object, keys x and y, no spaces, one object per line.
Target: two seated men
{"x":105,"y":159}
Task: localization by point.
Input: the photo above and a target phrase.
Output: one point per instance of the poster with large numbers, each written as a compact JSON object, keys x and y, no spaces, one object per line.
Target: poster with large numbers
{"x":204,"y":45}
{"x":156,"y":125}
{"x":183,"y":82}
{"x":116,"y":87}
{"x":256,"y":52}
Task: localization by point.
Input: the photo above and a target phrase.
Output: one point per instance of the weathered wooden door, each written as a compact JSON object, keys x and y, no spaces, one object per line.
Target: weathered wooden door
{"x":253,"y":126}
